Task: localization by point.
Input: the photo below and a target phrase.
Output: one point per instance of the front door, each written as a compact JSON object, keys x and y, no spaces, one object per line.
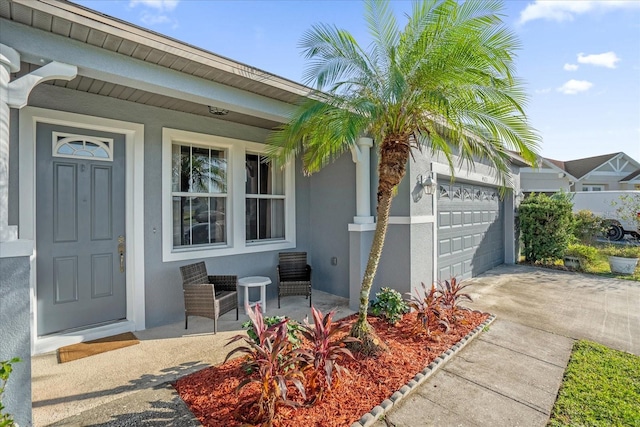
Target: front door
{"x":80,"y":228}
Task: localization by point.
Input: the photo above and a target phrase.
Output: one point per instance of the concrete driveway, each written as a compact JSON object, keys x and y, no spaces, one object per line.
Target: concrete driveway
{"x":576,"y":306}
{"x":511,"y":374}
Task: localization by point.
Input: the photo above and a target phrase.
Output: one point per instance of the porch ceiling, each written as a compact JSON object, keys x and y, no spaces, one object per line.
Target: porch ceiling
{"x":126,"y":93}
{"x":72,"y":21}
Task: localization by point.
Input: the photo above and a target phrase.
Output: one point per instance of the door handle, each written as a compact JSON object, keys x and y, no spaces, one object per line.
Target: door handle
{"x":121,"y":250}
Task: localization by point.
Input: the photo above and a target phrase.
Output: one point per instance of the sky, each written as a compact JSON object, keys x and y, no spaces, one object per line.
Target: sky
{"x":580,"y":59}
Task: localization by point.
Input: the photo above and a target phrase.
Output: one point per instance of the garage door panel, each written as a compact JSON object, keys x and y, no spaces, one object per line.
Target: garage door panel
{"x":468,"y":242}
{"x":470,"y":230}
{"x":456,"y":244}
{"x":445,"y":247}
{"x":456,"y":219}
{"x":444,"y":219}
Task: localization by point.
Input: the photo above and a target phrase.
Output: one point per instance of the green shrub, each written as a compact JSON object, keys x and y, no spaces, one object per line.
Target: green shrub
{"x":545,"y":226}
{"x":587,"y":225}
{"x":622,"y":251}
{"x":586,"y":253}
{"x":389,"y":305}
{"x":6,"y":420}
{"x":293,"y":329}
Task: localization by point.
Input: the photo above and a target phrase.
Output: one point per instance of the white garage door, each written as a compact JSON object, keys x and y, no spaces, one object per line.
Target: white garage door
{"x":470,"y":230}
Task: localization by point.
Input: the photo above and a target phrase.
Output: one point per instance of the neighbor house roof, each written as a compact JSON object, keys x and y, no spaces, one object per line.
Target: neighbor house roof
{"x":633,"y":176}
{"x":581,"y":167}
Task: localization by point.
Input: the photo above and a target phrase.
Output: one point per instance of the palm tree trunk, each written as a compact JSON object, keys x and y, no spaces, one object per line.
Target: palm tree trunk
{"x":394,"y":155}
{"x":369,"y":342}
{"x":380,"y":233}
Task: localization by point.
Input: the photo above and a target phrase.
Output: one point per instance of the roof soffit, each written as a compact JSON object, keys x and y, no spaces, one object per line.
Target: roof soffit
{"x":114,"y":35}
{"x":36,"y":45}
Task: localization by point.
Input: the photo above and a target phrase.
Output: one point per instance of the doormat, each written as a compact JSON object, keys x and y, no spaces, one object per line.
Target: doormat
{"x":91,"y":348}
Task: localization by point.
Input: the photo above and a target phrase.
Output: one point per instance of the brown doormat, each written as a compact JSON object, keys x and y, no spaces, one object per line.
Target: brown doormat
{"x":90,"y":348}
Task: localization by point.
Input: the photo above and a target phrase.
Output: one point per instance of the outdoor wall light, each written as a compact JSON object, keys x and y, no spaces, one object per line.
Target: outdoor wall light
{"x":218,"y":111}
{"x":425,"y":184}
{"x":428,"y":183}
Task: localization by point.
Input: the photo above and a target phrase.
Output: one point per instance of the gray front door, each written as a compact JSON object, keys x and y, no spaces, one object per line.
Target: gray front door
{"x":80,"y":228}
{"x":470,"y":229}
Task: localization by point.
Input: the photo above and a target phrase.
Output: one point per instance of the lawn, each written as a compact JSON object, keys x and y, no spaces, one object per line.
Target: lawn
{"x":601,"y":387}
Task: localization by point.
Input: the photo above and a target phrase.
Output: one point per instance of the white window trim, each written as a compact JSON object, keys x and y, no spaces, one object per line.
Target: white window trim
{"x":60,"y":139}
{"x":258,"y":196}
{"x":236,"y":243}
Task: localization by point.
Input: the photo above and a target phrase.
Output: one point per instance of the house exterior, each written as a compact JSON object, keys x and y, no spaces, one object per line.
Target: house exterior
{"x":608,"y":172}
{"x":125,"y":154}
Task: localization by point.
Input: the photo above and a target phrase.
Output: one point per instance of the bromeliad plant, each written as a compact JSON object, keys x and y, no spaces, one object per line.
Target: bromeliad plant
{"x":428,"y":308}
{"x":272,"y":363}
{"x":389,"y":305}
{"x":321,"y":358}
{"x":451,"y":294}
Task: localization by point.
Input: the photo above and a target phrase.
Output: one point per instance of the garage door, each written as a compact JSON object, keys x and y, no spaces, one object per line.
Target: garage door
{"x":470,"y":230}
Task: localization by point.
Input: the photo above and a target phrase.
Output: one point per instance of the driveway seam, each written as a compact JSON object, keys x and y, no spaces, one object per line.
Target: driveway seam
{"x":529,"y":405}
{"x":526,"y":354}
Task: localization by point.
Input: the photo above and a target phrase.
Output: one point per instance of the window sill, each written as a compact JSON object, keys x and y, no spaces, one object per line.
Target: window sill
{"x":186,"y":254}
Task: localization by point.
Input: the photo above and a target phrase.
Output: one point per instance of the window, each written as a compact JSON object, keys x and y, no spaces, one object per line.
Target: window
{"x":199,"y":194}
{"x":593,"y":188}
{"x":88,"y":147}
{"x":222,"y":197}
{"x":264,"y":190}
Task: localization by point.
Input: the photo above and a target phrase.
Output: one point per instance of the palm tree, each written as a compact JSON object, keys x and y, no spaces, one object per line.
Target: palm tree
{"x":446,"y":83}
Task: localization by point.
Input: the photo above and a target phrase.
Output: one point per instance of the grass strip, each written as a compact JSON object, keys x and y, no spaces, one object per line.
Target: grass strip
{"x":601,"y":387}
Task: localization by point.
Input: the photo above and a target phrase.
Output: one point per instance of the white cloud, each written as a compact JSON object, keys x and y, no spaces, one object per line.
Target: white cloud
{"x":573,"y":87}
{"x":155,"y":12}
{"x":570,"y":67}
{"x":160,"y":5}
{"x":607,"y":59}
{"x":566,"y":10}
{"x":152,"y":19}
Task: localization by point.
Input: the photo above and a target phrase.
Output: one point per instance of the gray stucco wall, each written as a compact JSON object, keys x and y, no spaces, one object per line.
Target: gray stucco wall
{"x":163,"y":282}
{"x":406,"y":258}
{"x":332,"y":207}
{"x":15,"y":335}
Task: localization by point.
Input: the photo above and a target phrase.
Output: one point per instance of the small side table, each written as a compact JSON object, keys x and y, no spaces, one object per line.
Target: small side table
{"x":254,"y":282}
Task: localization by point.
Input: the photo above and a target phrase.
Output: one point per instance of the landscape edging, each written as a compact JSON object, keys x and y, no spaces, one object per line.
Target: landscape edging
{"x":368,"y":419}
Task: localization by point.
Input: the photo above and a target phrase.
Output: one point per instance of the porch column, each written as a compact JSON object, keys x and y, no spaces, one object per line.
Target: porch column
{"x":362,"y":229}
{"x":15,"y":95}
{"x":15,"y":254}
{"x":361,"y":157}
{"x":9,"y":63}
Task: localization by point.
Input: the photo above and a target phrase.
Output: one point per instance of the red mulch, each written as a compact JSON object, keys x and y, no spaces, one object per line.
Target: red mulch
{"x":211,"y":393}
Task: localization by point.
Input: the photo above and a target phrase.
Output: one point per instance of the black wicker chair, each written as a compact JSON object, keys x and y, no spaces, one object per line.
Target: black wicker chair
{"x":294,"y":275}
{"x":207,"y":296}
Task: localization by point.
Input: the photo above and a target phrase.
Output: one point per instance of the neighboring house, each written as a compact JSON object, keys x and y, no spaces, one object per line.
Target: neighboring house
{"x":125,"y":154}
{"x":609,"y":172}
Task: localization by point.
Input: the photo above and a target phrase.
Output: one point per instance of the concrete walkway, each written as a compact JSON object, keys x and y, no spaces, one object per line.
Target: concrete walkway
{"x":510,"y":375}
{"x":131,"y":386}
